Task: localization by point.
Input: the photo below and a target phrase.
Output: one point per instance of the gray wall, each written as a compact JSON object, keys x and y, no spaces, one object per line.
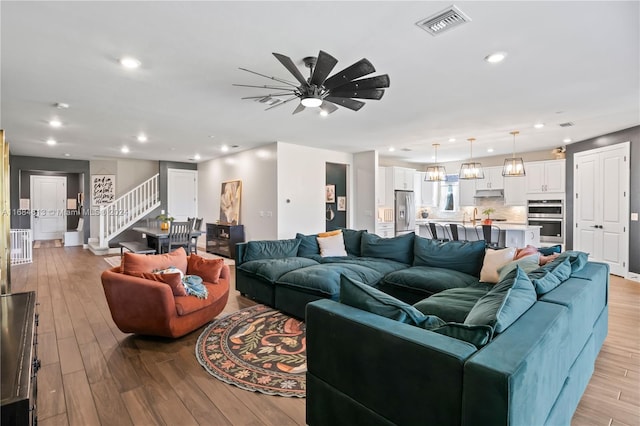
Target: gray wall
{"x":633,"y":135}
{"x":25,"y":166}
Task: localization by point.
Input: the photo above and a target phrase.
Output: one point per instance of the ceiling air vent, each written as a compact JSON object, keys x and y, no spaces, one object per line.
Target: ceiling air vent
{"x":567,"y":124}
{"x":445,"y":20}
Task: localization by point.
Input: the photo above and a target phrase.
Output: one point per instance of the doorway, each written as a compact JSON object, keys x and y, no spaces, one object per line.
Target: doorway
{"x":601,"y":213}
{"x":48,"y":206}
{"x":336,"y":200}
{"x":182,"y":193}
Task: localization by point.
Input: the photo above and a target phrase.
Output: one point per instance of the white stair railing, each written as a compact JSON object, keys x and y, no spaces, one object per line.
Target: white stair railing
{"x":128,"y":209}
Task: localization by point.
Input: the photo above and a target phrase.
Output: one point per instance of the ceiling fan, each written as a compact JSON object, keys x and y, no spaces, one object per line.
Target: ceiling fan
{"x":320,"y":90}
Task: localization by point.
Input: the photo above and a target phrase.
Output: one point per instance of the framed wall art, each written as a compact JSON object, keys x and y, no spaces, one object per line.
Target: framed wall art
{"x":103,"y":189}
{"x":230,"y":196}
{"x":330,"y":194}
{"x":342,"y":204}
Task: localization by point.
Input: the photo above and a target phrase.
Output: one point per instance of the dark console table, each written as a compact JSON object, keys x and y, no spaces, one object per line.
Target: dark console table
{"x":222,"y":239}
{"x":20,"y":362}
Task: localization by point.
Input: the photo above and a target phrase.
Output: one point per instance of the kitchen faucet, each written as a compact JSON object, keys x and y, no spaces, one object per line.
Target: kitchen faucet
{"x":473,"y":220}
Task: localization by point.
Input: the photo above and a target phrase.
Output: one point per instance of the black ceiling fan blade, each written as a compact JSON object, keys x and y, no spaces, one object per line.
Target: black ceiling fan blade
{"x":281,"y":103}
{"x":289,"y":65}
{"x":351,"y":104}
{"x":377,"y":82}
{"x":328,"y":107}
{"x":324,"y":65}
{"x":357,"y":70}
{"x":298,"y":109}
{"x":361,"y":94}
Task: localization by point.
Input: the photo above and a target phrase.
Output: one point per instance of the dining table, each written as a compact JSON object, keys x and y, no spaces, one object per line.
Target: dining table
{"x":157,"y":236}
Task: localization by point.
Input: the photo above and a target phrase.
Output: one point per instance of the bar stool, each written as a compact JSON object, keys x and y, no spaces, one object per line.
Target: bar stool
{"x":456,"y":230}
{"x":485,"y":232}
{"x":438,"y":229}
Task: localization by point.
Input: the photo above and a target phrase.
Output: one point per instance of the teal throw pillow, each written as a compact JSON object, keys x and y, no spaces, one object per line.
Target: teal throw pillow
{"x":548,"y":251}
{"x":463,"y":256}
{"x":271,"y":249}
{"x":577,"y":259}
{"x":551,"y":275}
{"x":352,"y":241}
{"x":308,"y":245}
{"x":504,"y":303}
{"x":527,"y":264}
{"x":367,"y":298}
{"x":398,"y":248}
{"x":477,"y":335}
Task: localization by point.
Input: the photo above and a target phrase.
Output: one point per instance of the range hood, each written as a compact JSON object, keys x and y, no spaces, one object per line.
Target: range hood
{"x":489,"y":193}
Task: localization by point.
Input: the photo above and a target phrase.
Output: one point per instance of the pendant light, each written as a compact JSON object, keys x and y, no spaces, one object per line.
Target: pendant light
{"x":471,"y":170}
{"x":513,"y":167}
{"x":435,"y":173}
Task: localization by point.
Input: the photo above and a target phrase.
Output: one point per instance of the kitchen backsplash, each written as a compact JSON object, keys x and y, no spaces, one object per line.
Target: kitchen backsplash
{"x":515,"y":214}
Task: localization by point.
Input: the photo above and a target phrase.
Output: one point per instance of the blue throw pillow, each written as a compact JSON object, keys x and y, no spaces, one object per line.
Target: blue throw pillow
{"x":551,"y":275}
{"x":577,"y":259}
{"x":352,"y":241}
{"x":463,"y":256}
{"x":367,"y":298}
{"x":504,"y":303}
{"x":398,"y":248}
{"x":271,"y":249}
{"x":548,"y":251}
{"x":308,"y":245}
{"x":477,"y":335}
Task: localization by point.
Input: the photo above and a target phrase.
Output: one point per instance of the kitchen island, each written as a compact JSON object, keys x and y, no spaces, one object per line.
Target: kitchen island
{"x":511,"y":235}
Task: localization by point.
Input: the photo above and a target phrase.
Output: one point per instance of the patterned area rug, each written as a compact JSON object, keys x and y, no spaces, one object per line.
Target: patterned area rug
{"x":258,"y":349}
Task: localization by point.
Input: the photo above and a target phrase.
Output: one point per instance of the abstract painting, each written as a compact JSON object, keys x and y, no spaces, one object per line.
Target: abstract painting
{"x":103,"y":189}
{"x":230,"y":202}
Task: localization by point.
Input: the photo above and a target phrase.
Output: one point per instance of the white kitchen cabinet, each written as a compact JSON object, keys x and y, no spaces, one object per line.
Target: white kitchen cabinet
{"x":492,"y":179}
{"x":381,"y":186}
{"x":545,"y":176}
{"x":428,"y":193}
{"x":467,"y":192}
{"x":385,"y":230}
{"x":403,"y":178}
{"x":515,"y":192}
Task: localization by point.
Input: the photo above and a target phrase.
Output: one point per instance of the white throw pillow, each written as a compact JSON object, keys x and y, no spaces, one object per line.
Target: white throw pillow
{"x":493,"y":260}
{"x":332,"y":246}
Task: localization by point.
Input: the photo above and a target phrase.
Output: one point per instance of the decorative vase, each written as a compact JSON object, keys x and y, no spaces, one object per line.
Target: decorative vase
{"x":487,"y":222}
{"x":164,"y":226}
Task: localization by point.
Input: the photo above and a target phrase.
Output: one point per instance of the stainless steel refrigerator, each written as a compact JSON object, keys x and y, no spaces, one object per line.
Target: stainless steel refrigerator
{"x":405,"y":212}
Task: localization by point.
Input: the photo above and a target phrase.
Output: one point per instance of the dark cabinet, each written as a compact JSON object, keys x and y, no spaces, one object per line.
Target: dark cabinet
{"x":222,"y":239}
{"x":20,"y":362}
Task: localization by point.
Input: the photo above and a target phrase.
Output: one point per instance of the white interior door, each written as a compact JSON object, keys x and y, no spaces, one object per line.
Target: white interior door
{"x":182,"y":193}
{"x":48,"y":204}
{"x":601,"y":213}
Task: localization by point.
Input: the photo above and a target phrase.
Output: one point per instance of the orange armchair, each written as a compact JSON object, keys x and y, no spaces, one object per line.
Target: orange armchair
{"x":143,"y":306}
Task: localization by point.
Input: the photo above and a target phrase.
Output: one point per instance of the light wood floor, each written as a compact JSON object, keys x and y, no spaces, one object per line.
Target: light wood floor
{"x":93,"y":374}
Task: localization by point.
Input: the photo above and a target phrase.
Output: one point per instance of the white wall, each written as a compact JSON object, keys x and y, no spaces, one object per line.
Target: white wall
{"x":365,"y":165}
{"x":257,"y":170}
{"x":301,"y":185}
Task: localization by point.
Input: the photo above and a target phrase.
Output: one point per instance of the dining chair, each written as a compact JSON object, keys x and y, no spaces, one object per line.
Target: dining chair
{"x":180,"y":235}
{"x":197,"y":225}
{"x":486,"y":233}
{"x":436,"y":230}
{"x":457,"y":232}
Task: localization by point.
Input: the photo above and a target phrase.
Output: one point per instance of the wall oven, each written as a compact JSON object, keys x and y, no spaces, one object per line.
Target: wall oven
{"x":549,"y":215}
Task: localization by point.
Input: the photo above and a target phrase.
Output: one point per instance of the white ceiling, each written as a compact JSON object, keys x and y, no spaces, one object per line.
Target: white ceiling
{"x":567,"y":61}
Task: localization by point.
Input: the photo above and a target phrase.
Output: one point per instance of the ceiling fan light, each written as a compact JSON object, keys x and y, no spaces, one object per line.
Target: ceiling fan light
{"x":311,"y":102}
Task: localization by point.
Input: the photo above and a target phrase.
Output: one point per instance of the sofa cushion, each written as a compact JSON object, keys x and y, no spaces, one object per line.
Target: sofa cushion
{"x":332,"y":245}
{"x":189,"y":304}
{"x":398,"y":248}
{"x":429,"y":280}
{"x":133,"y":262}
{"x":577,"y":259}
{"x":271,"y":249}
{"x":451,"y":305}
{"x":308,"y":245}
{"x":324,"y":280}
{"x":272,"y":269}
{"x":548,"y":251}
{"x":477,"y":335}
{"x":207,"y":269}
{"x":353,"y":241}
{"x":384,"y":266}
{"x":504,"y":303}
{"x":462,"y":256}
{"x":493,"y":260}
{"x":367,"y":298}
{"x":173,"y":280}
{"x":551,"y":275}
{"x":526,"y":263}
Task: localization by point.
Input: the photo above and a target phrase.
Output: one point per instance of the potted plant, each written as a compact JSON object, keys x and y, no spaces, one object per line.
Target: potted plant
{"x":488,"y":212}
{"x":164,"y":220}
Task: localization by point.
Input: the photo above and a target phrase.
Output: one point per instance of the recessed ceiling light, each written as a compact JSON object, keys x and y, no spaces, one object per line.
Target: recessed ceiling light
{"x":196,"y":157}
{"x":55,"y":123}
{"x":496,"y":57}
{"x":538,"y":125}
{"x":66,"y":154}
{"x":566,"y":140}
{"x":61,"y":105}
{"x":124,"y":149}
{"x":224,"y":148}
{"x":452,"y":139}
{"x":142,"y":137}
{"x":51,"y":141}
{"x":391,"y":149}
{"x":323,"y":113}
{"x":490,"y":150}
{"x":130,"y":63}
